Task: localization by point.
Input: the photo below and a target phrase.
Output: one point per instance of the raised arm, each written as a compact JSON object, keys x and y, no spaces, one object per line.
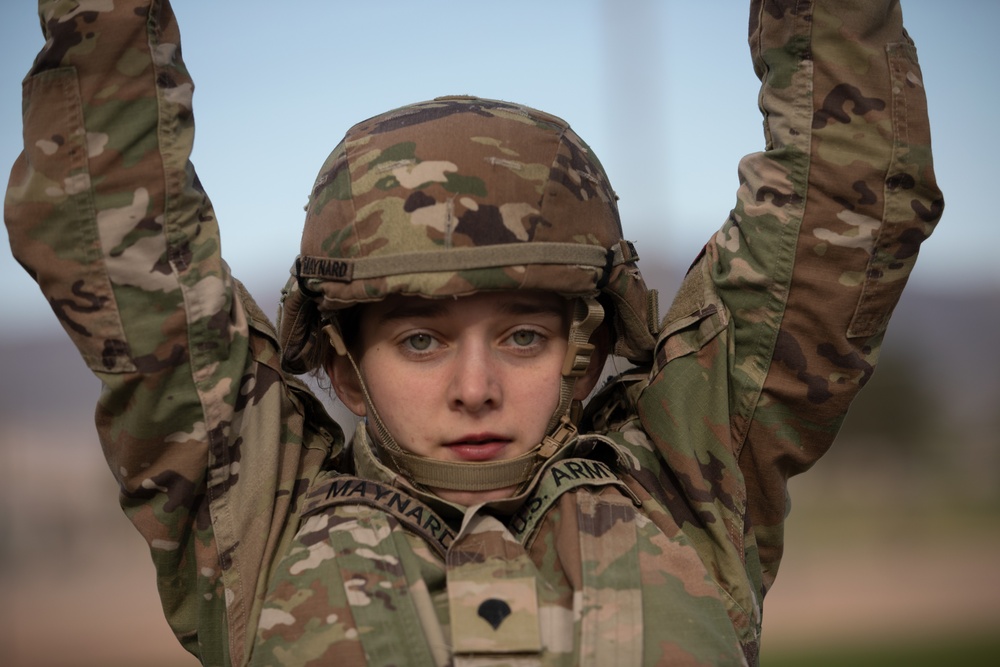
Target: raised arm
{"x":106,"y":213}
{"x":779,"y":323}
{"x":209,"y":441}
{"x":844,"y":108}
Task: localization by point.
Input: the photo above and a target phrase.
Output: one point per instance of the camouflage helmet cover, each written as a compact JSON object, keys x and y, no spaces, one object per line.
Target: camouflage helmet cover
{"x":455,"y":196}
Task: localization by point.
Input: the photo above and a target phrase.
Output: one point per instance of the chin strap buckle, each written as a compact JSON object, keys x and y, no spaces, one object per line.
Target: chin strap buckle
{"x":552,"y":443}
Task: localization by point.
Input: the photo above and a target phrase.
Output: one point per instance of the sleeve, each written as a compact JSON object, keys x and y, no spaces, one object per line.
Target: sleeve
{"x":779,"y":322}
{"x":824,"y":236}
{"x":106,"y":213}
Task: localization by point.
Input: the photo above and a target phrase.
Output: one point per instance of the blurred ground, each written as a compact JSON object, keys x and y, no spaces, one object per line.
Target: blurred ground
{"x":884,"y":577}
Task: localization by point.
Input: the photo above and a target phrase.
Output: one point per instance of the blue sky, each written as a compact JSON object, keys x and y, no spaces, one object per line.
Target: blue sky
{"x":663,"y":91}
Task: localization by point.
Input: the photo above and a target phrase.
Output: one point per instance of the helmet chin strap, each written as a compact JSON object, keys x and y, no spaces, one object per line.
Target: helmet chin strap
{"x":490,"y":475}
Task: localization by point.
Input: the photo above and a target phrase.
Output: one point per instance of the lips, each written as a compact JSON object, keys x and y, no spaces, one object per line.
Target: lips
{"x":478,"y":447}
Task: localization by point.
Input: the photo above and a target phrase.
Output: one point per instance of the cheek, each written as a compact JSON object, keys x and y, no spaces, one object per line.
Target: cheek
{"x":536,"y":396}
{"x":400,"y":396}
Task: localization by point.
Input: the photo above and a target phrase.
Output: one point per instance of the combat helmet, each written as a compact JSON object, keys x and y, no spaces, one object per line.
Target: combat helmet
{"x":456,"y":196}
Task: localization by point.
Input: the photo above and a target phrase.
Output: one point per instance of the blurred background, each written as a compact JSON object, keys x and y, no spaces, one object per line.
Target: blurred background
{"x":893,"y":539}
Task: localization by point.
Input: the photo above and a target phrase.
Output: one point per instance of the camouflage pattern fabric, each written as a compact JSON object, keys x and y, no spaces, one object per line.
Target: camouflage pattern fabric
{"x":653,"y":541}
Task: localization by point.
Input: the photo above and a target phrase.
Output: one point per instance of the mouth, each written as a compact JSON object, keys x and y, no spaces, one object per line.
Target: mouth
{"x":478,"y":447}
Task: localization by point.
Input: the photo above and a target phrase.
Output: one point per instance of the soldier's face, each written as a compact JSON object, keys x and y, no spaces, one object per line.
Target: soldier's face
{"x":469,"y":379}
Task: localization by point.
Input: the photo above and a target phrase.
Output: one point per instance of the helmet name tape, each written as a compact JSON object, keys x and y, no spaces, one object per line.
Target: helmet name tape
{"x":456,"y":259}
{"x":340,"y":270}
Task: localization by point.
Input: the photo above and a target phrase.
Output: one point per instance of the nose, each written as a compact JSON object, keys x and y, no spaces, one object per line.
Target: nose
{"x":475,"y":384}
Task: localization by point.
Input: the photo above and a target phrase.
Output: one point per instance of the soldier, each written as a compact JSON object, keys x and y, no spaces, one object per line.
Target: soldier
{"x":463,"y":275}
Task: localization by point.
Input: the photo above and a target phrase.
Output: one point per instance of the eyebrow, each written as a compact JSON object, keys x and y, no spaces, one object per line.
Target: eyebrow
{"x":413,"y":307}
{"x":514,"y":305}
{"x":534,"y":307}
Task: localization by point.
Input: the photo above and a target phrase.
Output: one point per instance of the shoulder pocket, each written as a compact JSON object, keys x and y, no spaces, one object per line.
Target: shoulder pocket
{"x":255,"y":316}
{"x":695,"y":317}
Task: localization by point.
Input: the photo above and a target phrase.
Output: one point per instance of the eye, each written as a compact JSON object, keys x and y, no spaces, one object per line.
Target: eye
{"x":419,"y":342}
{"x":525,"y":337}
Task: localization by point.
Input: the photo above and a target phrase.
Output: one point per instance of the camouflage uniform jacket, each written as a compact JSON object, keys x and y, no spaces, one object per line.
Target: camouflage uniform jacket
{"x":653,"y":540}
